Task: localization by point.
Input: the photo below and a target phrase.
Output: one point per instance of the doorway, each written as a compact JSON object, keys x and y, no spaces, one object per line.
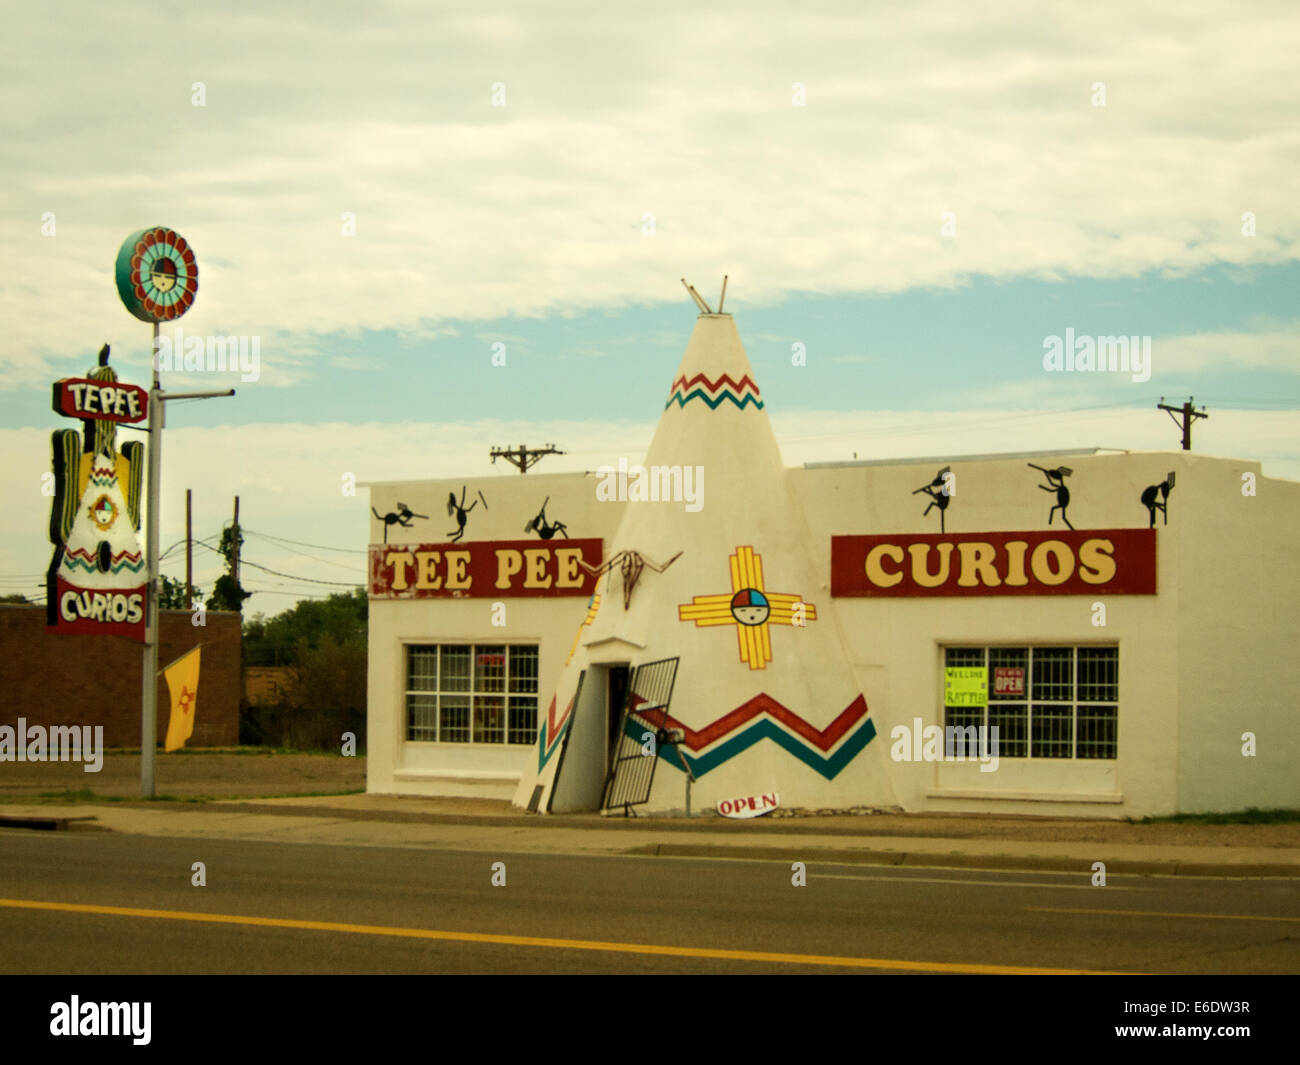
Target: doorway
{"x":620,"y":677}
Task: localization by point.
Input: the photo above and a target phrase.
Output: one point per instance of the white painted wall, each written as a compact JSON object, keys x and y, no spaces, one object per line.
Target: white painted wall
{"x":1239,"y":639}
{"x":1214,"y":654}
{"x":398,"y":766}
{"x":1210,"y":655}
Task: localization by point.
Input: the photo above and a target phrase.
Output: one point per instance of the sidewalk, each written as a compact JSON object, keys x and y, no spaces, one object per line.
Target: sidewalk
{"x":912,"y":840}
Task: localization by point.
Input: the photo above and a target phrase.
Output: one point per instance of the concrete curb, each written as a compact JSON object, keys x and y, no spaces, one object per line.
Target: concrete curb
{"x":828,"y":844}
{"x":957,"y":860}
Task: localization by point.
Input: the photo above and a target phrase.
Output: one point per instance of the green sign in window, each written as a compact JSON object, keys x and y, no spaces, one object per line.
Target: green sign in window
{"x":965,"y":686}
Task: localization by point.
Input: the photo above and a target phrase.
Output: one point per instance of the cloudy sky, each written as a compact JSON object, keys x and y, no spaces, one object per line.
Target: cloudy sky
{"x":920,"y":195}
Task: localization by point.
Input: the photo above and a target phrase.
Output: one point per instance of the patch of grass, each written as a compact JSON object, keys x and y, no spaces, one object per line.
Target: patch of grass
{"x":331,"y":752}
{"x":1250,"y":816}
{"x":86,"y":795}
{"x":76,"y":795}
{"x":302,"y":794}
{"x":68,"y":795}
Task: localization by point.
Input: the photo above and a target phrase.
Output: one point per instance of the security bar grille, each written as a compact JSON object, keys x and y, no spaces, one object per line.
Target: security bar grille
{"x":1064,"y":704}
{"x":640,"y":732}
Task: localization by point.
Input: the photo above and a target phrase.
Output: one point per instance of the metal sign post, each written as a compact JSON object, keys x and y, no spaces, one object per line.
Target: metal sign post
{"x":157,"y":279}
{"x":149,"y":681}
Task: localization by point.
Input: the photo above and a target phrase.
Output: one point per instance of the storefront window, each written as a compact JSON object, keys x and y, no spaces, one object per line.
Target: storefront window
{"x":1047,"y":702}
{"x":457,"y":693}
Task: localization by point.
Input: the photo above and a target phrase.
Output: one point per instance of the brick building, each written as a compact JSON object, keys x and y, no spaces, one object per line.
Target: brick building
{"x":69,"y":679}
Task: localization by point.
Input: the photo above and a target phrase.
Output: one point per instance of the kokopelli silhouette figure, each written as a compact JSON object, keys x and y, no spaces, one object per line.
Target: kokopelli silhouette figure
{"x":1156,"y":497}
{"x":1056,"y":483}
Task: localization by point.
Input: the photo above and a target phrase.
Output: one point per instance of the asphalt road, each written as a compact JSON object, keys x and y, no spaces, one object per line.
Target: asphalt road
{"x":436,"y":911}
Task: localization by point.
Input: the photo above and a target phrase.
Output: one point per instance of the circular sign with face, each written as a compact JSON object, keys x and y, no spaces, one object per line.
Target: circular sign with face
{"x":749,"y":606}
{"x":157,"y":275}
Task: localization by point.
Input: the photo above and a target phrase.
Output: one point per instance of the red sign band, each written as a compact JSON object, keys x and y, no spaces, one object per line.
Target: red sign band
{"x":496,"y":569}
{"x":118,"y":611}
{"x":109,"y":401}
{"x":1069,"y":562}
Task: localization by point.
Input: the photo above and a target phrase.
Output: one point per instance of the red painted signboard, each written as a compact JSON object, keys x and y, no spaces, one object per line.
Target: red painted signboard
{"x":1068,"y":562}
{"x":117,"y":611}
{"x":1008,"y":680}
{"x":107,"y":401}
{"x":493,"y":569}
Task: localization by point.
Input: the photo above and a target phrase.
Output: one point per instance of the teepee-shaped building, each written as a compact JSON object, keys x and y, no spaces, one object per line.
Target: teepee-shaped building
{"x":727,"y":662}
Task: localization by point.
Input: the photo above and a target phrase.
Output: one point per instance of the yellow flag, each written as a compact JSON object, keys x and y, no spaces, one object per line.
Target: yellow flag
{"x":183,"y":683}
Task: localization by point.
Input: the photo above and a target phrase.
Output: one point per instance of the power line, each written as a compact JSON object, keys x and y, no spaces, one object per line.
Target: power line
{"x":299,"y":543}
{"x":293,"y":576}
{"x":300,"y":595}
{"x":323,"y":561}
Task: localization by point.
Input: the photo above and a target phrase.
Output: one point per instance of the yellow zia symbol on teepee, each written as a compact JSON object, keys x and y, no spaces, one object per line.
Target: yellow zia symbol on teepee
{"x":750,"y":607}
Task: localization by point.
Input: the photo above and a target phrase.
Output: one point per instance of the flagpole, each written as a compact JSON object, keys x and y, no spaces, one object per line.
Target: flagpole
{"x":164,"y":669}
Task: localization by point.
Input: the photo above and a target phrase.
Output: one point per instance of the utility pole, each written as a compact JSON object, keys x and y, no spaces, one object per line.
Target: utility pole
{"x":235,"y":541}
{"x":189,"y":553}
{"x":524,"y":457}
{"x":1189,"y":416}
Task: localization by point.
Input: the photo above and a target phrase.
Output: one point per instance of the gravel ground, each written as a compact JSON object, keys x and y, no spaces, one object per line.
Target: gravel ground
{"x":187,"y":775}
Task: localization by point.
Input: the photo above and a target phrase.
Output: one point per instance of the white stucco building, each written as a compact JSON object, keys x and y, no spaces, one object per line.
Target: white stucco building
{"x":816,"y":631}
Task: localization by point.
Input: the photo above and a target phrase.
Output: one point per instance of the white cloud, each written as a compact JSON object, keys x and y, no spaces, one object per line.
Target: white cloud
{"x":1270,"y":350}
{"x":465,"y":210}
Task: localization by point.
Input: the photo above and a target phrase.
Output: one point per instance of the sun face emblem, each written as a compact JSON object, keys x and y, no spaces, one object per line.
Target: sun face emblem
{"x":749,"y":606}
{"x":103,"y":512}
{"x":163,"y":275}
{"x":157,"y":274}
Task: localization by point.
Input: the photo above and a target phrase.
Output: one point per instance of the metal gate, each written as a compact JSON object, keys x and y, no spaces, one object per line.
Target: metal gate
{"x":645,"y":710}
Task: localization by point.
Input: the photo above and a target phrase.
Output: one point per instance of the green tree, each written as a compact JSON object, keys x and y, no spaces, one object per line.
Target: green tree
{"x":172,"y":594}
{"x":324,"y":641}
{"x":280,"y":640}
{"x":330,"y":676}
{"x":226,"y":593}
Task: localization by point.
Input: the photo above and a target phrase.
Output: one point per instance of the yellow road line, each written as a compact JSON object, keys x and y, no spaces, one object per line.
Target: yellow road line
{"x":533,"y":941}
{"x":1164,"y":913}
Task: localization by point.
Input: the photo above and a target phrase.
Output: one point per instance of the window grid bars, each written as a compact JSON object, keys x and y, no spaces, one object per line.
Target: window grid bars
{"x":473,"y":701}
{"x":1088,"y":677}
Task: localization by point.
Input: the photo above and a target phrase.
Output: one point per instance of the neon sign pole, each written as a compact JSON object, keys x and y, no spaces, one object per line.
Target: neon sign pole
{"x":157,"y":279}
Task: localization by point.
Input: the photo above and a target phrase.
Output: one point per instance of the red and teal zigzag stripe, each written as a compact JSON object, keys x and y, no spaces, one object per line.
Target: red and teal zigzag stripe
{"x":757,"y":720}
{"x":714,"y":392}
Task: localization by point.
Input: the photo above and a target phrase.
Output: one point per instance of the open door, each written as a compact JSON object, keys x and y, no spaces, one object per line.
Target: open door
{"x":585,"y":759}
